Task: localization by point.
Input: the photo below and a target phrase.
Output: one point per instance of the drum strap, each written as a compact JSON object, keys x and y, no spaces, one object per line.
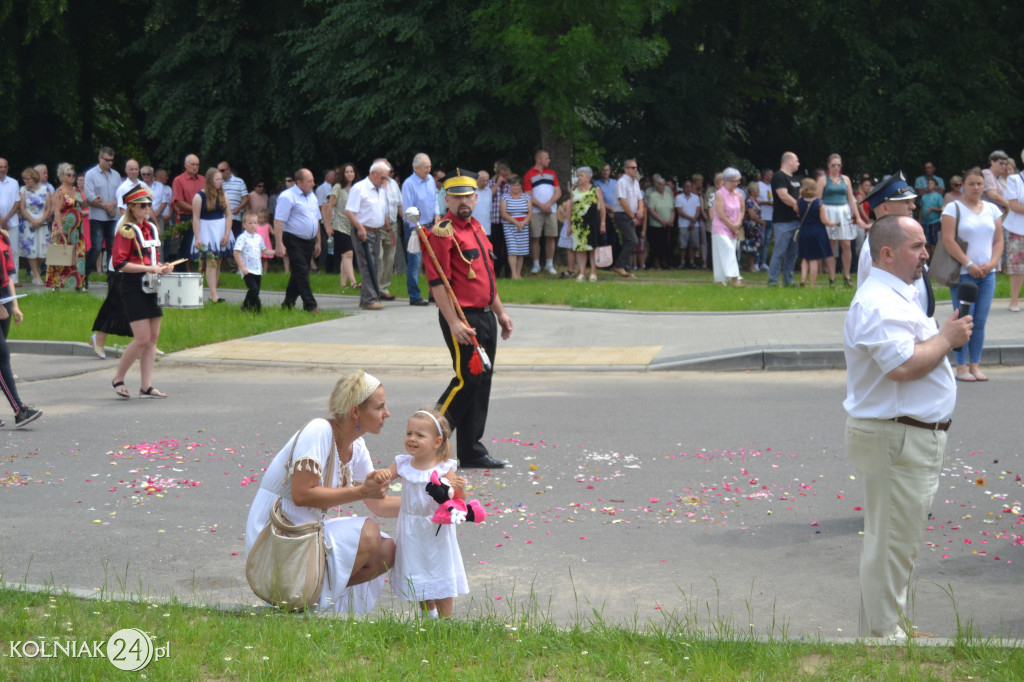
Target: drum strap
{"x":140,"y":241}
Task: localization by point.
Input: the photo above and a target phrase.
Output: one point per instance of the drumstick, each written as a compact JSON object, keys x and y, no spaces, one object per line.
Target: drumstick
{"x":178,"y":262}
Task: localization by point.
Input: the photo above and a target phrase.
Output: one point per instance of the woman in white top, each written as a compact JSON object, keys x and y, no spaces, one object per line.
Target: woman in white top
{"x":359,"y":554}
{"x":1014,"y":224}
{"x":980,"y":224}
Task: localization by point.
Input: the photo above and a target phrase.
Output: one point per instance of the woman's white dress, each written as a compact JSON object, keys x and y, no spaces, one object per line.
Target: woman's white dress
{"x":315,"y":445}
{"x":428,"y":563}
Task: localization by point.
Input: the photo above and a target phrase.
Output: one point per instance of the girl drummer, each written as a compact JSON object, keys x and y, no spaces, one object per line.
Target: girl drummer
{"x":135,"y":256}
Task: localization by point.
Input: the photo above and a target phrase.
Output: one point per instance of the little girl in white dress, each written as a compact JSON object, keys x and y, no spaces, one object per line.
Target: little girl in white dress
{"x":428,"y":564}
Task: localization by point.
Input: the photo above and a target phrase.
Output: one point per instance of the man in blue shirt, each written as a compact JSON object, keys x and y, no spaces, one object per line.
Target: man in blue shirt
{"x":296,"y":233}
{"x":420,"y":191}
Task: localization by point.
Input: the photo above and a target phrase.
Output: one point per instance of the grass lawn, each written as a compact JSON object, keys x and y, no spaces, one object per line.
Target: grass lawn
{"x":653,"y":290}
{"x":68,"y":316}
{"x":206,"y":643}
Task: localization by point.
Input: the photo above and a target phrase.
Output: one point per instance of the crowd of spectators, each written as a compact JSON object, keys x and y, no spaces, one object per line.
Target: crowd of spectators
{"x":651,"y":221}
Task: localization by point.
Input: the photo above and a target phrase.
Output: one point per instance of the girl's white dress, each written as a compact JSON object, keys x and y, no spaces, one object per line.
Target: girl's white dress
{"x":315,"y":445}
{"x":428,"y":564}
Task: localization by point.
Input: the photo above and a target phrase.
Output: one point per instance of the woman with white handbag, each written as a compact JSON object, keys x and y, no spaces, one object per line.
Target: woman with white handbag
{"x":325,"y":465}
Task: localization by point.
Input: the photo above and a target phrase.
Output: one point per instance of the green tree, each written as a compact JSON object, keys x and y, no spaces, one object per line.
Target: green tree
{"x":567,"y":59}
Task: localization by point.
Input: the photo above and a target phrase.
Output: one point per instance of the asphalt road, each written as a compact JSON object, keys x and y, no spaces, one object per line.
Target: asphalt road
{"x":713,"y":498}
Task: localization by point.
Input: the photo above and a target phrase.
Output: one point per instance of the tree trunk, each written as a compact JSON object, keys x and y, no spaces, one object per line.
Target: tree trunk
{"x":561,"y":154}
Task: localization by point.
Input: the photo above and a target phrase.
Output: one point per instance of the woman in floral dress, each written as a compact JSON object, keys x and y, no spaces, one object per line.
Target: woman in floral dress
{"x":586,"y":222}
{"x":69,"y":210}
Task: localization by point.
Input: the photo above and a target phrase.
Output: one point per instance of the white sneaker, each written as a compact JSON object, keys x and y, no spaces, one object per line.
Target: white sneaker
{"x":535,"y":269}
{"x":550,"y":269}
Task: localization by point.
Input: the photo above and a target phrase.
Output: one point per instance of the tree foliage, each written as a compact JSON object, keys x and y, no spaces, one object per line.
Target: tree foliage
{"x":684,"y":85}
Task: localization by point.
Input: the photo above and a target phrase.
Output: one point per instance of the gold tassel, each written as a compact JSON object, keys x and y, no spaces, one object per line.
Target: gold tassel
{"x":443,"y":229}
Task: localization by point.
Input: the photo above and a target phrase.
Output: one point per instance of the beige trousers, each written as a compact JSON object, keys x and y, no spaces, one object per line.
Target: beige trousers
{"x":899,"y":466}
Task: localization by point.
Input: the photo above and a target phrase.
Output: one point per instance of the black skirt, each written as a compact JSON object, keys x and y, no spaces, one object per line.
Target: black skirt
{"x":111,"y":318}
{"x":138,"y":305}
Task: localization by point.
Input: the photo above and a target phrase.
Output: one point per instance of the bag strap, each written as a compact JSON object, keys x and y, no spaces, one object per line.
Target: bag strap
{"x":329,"y":472}
{"x":806,"y":213}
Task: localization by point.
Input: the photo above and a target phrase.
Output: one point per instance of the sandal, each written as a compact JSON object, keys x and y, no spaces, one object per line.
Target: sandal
{"x":978,"y":376}
{"x":120,"y":390}
{"x":151,"y":393}
{"x":966,"y":378}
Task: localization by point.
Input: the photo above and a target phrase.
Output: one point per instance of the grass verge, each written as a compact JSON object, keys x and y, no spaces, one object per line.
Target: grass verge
{"x":652,"y":290}
{"x":207,"y":643}
{"x":67,"y":316}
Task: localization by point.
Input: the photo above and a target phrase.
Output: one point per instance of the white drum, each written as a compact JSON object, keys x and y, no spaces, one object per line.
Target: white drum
{"x":181,"y":290}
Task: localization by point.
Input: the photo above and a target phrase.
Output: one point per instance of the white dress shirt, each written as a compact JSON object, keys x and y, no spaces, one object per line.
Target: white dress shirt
{"x":628,"y":188}
{"x":368,"y":203}
{"x":882,"y":328}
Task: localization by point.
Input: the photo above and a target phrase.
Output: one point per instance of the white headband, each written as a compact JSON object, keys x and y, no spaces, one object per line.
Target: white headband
{"x":440,"y":432}
{"x":372,"y":383}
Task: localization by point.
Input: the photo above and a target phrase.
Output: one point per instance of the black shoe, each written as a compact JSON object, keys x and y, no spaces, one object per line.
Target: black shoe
{"x":418,"y":301}
{"x":27,"y":415}
{"x":485,"y":462}
{"x":387,"y":297}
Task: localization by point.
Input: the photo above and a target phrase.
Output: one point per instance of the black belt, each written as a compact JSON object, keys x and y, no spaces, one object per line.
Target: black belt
{"x":485,"y":309}
{"x":936,"y":426}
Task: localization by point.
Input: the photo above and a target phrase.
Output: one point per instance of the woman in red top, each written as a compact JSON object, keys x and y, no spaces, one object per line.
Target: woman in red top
{"x":136,"y":256}
{"x":23,"y":414}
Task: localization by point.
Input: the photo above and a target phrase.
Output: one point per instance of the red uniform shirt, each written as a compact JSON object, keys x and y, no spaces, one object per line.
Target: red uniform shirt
{"x":126,"y":249}
{"x":7,"y":264}
{"x":479,"y":291}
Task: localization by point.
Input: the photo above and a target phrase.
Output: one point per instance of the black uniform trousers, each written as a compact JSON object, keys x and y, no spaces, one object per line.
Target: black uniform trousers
{"x":300,"y":251}
{"x":464,"y":403}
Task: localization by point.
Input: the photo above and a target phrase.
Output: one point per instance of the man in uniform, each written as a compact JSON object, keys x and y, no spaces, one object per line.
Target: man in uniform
{"x":464,"y":255}
{"x":900,"y":394}
{"x":893,"y":196}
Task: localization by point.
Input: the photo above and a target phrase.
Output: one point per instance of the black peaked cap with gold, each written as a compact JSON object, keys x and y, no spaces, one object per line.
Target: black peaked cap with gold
{"x":460,"y":182}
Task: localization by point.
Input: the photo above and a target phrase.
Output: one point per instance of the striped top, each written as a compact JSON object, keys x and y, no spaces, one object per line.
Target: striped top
{"x":516,"y":207}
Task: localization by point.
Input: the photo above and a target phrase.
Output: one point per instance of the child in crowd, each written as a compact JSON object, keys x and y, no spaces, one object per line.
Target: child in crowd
{"x":812,"y":237}
{"x":249,"y":248}
{"x":428,"y":565}
{"x":931,"y":213}
{"x":263,"y":230}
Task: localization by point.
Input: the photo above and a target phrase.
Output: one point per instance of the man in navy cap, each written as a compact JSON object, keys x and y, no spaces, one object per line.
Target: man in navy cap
{"x":464,"y":254}
{"x":894,"y":196}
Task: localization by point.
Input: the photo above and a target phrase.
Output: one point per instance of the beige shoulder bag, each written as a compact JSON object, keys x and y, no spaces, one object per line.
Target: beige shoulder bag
{"x":288,"y":564}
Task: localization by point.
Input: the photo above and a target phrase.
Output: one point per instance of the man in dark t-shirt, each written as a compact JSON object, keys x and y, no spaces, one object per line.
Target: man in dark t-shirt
{"x":785,"y":189}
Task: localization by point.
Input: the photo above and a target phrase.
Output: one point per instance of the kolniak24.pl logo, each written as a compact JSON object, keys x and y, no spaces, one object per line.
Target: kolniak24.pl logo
{"x":127,"y":649}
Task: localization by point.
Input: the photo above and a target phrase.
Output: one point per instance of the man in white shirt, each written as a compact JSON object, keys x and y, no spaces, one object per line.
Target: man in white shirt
{"x":159,"y":204}
{"x":367,"y":210}
{"x":688,"y":211}
{"x":629,"y":214}
{"x":484,"y":194}
{"x":900,"y":395}
{"x":323,"y":192}
{"x":10,"y":202}
{"x":131,"y":181}
{"x":389,"y":235}
{"x":237,"y":194}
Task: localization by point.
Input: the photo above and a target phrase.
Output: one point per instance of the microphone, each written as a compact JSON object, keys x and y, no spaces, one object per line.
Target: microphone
{"x":967,"y":292}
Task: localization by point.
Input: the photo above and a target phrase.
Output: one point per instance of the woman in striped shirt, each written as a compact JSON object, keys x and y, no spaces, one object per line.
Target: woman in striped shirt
{"x":516,"y":210}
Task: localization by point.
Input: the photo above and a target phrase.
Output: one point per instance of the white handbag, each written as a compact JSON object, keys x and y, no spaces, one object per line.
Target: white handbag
{"x":287,"y":565}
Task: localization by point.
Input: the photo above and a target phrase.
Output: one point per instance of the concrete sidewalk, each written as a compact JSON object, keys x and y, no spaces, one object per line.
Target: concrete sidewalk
{"x":558,"y":338}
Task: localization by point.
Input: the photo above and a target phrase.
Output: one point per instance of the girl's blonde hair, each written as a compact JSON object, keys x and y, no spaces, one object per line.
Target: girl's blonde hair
{"x":215,"y":197}
{"x":808,"y":188}
{"x":352,"y":390}
{"x":444,"y":453}
{"x":263,"y":216}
